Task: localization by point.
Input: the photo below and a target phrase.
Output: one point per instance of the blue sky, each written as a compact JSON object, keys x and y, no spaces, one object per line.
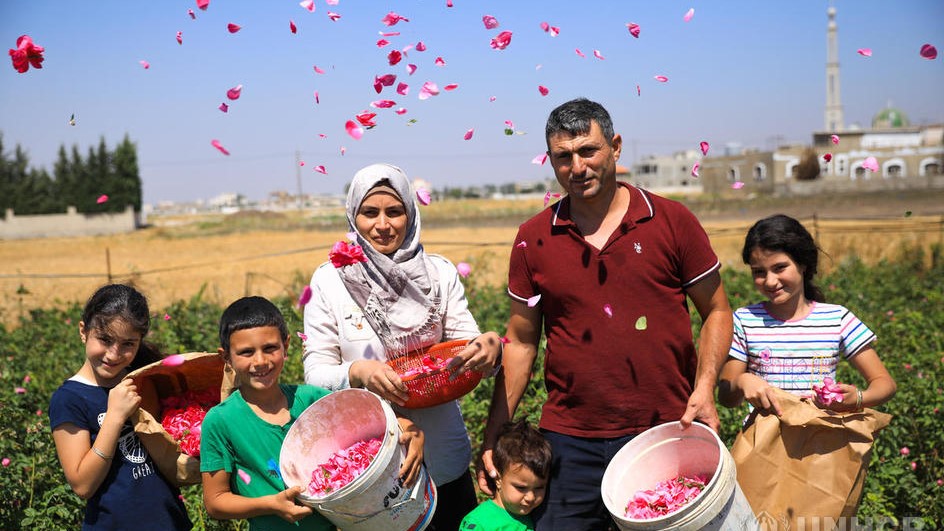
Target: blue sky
{"x":738,"y":71}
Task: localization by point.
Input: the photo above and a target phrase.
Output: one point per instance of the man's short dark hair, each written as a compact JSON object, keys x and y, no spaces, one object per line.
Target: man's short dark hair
{"x":519,"y":443}
{"x":575,"y":118}
{"x":250,"y":312}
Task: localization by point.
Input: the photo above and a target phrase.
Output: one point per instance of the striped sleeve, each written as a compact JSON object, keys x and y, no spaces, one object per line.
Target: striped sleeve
{"x":854,"y":335}
{"x":738,"y":348}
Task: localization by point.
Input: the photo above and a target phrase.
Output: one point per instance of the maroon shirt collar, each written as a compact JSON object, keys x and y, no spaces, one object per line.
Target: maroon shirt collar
{"x":640,"y":208}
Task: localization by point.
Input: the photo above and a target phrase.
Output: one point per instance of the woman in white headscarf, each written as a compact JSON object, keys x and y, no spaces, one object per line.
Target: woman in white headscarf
{"x":398,"y":299}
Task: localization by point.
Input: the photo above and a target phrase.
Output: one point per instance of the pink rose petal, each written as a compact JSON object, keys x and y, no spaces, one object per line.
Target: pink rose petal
{"x":224,"y":107}
{"x":522,"y":245}
{"x":392,"y":18}
{"x":450,"y":87}
{"x":501,"y":41}
{"x":661,"y":79}
{"x":145,"y":64}
{"x":439,"y":62}
{"x":343,"y":150}
{"x":173,"y":361}
{"x":492,"y":98}
{"x":382,"y":104}
{"x":180,"y":37}
{"x":403,"y":89}
{"x":864,"y":52}
{"x":428,"y":90}
{"x":320,"y":169}
{"x":233,"y":28}
{"x":704,"y":147}
{"x":633,"y":29}
{"x":689,"y":14}
{"x":533,"y":301}
{"x":310,"y":6}
{"x":834,"y":139}
{"x":292,"y":27}
{"x":545,"y":26}
{"x":203,"y":4}
{"x":19,"y":390}
{"x":540,"y":159}
{"x":333,"y":16}
{"x":317,"y":98}
{"x":468,"y":134}
{"x":421,"y":46}
{"x":463,"y":269}
{"x":448,"y":3}
{"x":870,"y":164}
{"x":389,"y":33}
{"x":318,"y":70}
{"x":827,"y":157}
{"x":101,"y":199}
{"x":394,"y":57}
{"x":305,"y":296}
{"x":193,"y":16}
{"x":695,"y":169}
{"x":737,"y":185}
{"x":555,"y":31}
{"x":301,"y":163}
{"x":490,"y":22}
{"x":302,"y":336}
{"x":234,"y":92}
{"x":219,"y":146}
{"x":598,"y":55}
{"x":928,"y":51}
{"x":608,"y":310}
{"x":423,"y":196}
{"x":353,"y":129}
{"x":243,"y":475}
{"x":410,"y":68}
{"x":638,"y":91}
{"x":166,"y":316}
{"x":579,"y":52}
{"x":543,"y":90}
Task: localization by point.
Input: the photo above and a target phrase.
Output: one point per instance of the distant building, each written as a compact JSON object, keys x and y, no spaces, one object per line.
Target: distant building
{"x":668,"y":174}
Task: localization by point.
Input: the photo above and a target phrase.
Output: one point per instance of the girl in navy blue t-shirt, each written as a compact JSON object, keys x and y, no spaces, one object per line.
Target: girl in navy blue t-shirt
{"x":103,"y":460}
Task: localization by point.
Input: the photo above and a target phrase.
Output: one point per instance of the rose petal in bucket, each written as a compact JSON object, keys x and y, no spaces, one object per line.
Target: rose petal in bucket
{"x":375,"y":499}
{"x":666,"y":452}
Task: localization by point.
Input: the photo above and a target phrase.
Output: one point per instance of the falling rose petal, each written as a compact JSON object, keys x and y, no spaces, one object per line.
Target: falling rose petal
{"x":305,"y":296}
{"x":234,"y":92}
{"x":382,"y":42}
{"x":429,"y":89}
{"x":543,"y":90}
{"x":224,"y":107}
{"x":633,"y":29}
{"x":555,"y":31}
{"x":382,"y":104}
{"x":193,"y":16}
{"x":203,"y":4}
{"x":310,"y":6}
{"x":490,"y":22}
{"x":403,"y":89}
{"x":421,"y":46}
{"x":509,"y":124}
{"x":366,"y":119}
{"x":439,"y":61}
{"x":448,"y":3}
{"x":501,"y":41}
{"x":492,"y":98}
{"x":579,"y":52}
{"x":333,"y":16}
{"x":320,"y":169}
{"x":661,"y":79}
{"x":547,"y":198}
{"x":827,"y":157}
{"x":243,"y":475}
{"x":101,"y":199}
{"x":505,"y":340}
{"x":332,"y":2}
{"x":533,"y":301}
{"x":545,"y":26}
{"x":468,"y":134}
{"x":641,"y":323}
{"x":598,"y":55}
{"x":522,"y":245}
{"x":301,"y":163}
{"x":343,"y":150}
{"x":737,"y":185}
{"x":389,"y":33}
{"x":391,"y":18}
{"x":385,"y":80}
{"x":410,"y":68}
{"x":317,"y":98}
{"x":301,"y":336}
{"x":145,"y":64}
{"x":870,"y":164}
{"x":608,"y":310}
{"x":929,"y":52}
{"x":704,"y":147}
{"x":864,"y":52}
{"x":689,"y":14}
{"x":423,"y":196}
{"x":540,"y":159}
{"x":834,"y":139}
{"x":219,"y":146}
{"x":450,"y":87}
{"x":463,"y":269}
{"x":638,"y":91}
{"x":233,"y":28}
{"x":318,"y":70}
{"x":173,"y":361}
{"x":180,"y":37}
{"x":394,"y":57}
{"x":292,"y":27}
{"x":322,"y":136}
{"x":166,"y":316}
{"x":400,"y":111}
{"x":695,"y":169}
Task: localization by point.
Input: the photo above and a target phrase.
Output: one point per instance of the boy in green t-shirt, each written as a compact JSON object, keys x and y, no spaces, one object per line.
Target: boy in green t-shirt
{"x":522,"y":457}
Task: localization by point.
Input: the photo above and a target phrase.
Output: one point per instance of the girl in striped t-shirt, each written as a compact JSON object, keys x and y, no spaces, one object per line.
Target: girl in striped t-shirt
{"x":794,"y":339}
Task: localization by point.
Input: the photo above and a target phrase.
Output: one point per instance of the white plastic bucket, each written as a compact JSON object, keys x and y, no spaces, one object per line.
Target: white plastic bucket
{"x":665,"y":452}
{"x":376,"y":499}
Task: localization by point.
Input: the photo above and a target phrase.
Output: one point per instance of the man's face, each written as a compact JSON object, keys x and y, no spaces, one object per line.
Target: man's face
{"x":585,"y":165}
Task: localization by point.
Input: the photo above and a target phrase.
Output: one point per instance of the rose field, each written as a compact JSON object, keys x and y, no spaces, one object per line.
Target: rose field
{"x":888,"y":271}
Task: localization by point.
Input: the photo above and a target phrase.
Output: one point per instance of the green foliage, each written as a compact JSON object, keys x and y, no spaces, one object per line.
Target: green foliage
{"x":901,"y":301}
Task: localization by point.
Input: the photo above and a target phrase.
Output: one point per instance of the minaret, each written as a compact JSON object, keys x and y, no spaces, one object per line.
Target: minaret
{"x":833,"y":114}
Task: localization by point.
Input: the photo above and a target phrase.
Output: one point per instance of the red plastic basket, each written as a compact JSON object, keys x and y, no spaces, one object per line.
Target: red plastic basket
{"x":433,"y":389}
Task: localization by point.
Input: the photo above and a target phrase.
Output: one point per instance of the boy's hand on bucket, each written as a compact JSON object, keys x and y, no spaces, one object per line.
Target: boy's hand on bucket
{"x":413,"y":438}
{"x":701,"y":407}
{"x":485,"y":480}
{"x":285,"y":507}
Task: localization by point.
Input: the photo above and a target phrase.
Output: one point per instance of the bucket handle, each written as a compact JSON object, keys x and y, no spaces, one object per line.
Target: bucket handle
{"x":414,"y":493}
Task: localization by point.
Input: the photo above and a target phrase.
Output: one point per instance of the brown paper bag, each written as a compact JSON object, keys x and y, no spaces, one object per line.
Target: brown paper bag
{"x":806,"y":467}
{"x":198,"y":372}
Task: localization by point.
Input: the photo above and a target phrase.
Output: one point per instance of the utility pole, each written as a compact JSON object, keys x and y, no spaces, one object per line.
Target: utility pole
{"x":298,"y":179}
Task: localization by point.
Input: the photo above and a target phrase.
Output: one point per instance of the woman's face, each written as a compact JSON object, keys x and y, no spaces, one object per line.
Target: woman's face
{"x":381,"y":220}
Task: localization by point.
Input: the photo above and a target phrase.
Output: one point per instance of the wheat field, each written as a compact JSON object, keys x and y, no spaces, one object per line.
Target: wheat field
{"x":170,"y":264}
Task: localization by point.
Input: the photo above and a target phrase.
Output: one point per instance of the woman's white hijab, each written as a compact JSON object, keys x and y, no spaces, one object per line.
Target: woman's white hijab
{"x":398,"y":293}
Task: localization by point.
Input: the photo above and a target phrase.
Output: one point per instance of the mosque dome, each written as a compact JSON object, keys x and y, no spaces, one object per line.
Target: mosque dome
{"x":889,"y":118}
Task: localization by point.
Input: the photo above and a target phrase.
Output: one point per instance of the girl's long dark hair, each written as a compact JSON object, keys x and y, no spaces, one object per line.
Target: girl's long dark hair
{"x":118,"y":301}
{"x":784,"y":234}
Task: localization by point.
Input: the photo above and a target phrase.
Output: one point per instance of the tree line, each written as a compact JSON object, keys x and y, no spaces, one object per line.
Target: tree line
{"x":75,"y":180}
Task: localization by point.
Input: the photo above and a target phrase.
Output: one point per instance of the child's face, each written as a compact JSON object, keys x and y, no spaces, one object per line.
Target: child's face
{"x":519,"y":490}
{"x":257,"y":355}
{"x":108,"y":352}
{"x":777,"y":276}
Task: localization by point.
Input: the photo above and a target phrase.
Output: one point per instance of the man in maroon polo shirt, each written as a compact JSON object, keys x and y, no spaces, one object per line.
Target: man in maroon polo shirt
{"x":606,"y":272}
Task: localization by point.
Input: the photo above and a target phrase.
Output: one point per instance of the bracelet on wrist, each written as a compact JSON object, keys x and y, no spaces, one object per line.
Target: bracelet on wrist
{"x":858,"y":406}
{"x":102,"y":454}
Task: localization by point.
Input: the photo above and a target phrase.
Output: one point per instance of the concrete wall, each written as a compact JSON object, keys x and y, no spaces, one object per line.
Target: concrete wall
{"x":72,"y":223}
